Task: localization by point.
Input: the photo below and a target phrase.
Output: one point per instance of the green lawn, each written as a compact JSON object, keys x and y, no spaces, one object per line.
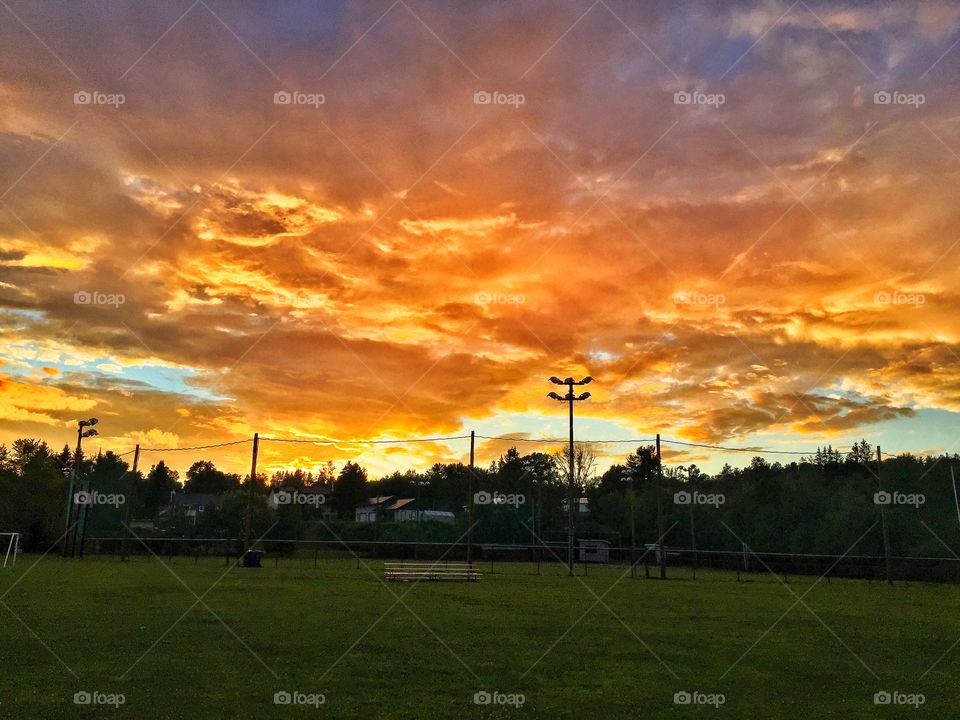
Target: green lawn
{"x":340,"y":631}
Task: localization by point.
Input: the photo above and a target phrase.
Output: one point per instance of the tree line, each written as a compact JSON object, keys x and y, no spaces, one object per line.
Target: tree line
{"x":819,"y":504}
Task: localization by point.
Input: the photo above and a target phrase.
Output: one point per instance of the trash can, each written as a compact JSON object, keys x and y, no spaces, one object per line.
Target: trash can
{"x":252,"y":558}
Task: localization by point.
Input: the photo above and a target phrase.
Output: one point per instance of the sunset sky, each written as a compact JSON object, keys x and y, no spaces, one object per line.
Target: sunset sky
{"x":740,"y":218}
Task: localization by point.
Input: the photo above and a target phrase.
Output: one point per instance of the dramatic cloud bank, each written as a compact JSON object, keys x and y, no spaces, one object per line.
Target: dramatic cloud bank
{"x":376,"y":220}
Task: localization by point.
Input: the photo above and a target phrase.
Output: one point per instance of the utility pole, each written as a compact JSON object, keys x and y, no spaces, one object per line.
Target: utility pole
{"x":247,"y":526}
{"x":888,"y":561}
{"x":693,"y":528}
{"x":473,"y":440}
{"x":571,"y":486}
{"x":129,"y":501}
{"x":660,"y":547}
{"x":571,"y":511}
{"x":633,"y":530}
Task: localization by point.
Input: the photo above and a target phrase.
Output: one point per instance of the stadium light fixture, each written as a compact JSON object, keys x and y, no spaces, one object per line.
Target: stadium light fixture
{"x":570,"y":398}
{"x":70,"y":531}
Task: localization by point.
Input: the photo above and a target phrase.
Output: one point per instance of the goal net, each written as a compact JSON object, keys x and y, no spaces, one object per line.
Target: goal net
{"x":9,"y":547}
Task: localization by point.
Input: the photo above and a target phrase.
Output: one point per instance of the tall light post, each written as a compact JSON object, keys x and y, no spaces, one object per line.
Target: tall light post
{"x":633,"y":534}
{"x":69,"y":536}
{"x":570,"y":398}
{"x":419,"y":484}
{"x":693,"y":529}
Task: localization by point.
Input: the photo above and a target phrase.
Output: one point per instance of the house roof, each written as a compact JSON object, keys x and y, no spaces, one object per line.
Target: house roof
{"x":402,"y":503}
{"x":381,"y":499}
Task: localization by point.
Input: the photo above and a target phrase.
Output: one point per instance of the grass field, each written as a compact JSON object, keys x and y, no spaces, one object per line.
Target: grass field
{"x":128,"y":628}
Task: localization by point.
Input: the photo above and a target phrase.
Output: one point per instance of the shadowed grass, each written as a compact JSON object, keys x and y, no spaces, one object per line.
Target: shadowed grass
{"x":427,"y":655}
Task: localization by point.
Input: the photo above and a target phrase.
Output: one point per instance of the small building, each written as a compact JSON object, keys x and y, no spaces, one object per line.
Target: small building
{"x":596,"y":551}
{"x":373,"y":509}
{"x":193,"y":505}
{"x":404,"y":510}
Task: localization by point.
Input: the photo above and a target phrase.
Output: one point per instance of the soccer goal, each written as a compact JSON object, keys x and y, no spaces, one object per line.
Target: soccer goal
{"x":9,"y":546}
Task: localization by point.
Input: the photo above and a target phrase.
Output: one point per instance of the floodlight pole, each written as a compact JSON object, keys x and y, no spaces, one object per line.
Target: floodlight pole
{"x":70,"y":535}
{"x":570,"y":398}
{"x":69,"y":509}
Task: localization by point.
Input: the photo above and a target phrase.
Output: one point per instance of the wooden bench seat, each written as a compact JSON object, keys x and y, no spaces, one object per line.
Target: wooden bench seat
{"x":430,"y":572}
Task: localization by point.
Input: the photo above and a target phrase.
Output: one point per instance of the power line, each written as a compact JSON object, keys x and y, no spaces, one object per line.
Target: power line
{"x":445,"y":438}
{"x":562,"y":440}
{"x":756,"y":451}
{"x":366,"y":442}
{"x":640,"y":441}
{"x":195,"y":447}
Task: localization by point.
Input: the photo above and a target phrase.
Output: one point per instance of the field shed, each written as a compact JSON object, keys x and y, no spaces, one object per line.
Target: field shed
{"x":597,"y":551}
